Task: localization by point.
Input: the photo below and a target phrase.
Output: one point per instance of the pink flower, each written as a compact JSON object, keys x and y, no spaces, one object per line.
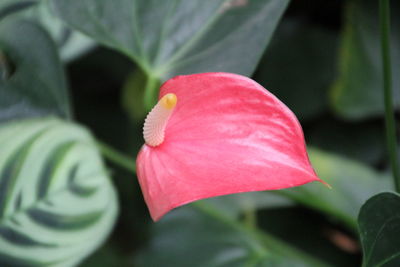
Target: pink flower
{"x":213,"y":134}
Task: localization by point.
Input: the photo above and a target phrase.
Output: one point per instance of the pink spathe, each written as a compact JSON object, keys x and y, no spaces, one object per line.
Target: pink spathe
{"x":226,"y":135}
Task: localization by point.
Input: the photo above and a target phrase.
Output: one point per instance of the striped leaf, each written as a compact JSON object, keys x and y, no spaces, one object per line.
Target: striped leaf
{"x":56,"y":201}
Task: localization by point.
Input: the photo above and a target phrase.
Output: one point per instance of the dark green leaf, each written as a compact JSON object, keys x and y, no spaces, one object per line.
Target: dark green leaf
{"x":37,"y":85}
{"x":107,"y":256}
{"x":199,"y":235}
{"x":173,"y":37}
{"x":309,"y":231}
{"x":71,"y":44}
{"x":362,"y":141}
{"x":57,"y":204}
{"x":352,"y":184}
{"x":379,"y":225}
{"x":8,"y":7}
{"x":235,"y":205}
{"x":358,"y":91}
{"x":299,"y":67}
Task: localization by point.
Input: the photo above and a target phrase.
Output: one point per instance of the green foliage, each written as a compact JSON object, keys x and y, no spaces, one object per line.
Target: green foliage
{"x":358,"y":90}
{"x":107,"y":256}
{"x":8,"y":7}
{"x":56,"y":202}
{"x":379,"y":223}
{"x":36,"y":84}
{"x":212,"y":35}
{"x":168,"y":38}
{"x":200,"y":235}
{"x":361,"y":141}
{"x":71,"y":44}
{"x":133,"y":95}
{"x":285,"y":70}
{"x":238,"y":204}
{"x":352,"y":184}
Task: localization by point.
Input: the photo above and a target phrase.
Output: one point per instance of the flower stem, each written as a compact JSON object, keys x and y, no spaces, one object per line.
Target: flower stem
{"x":117,"y":157}
{"x":384,"y":14}
{"x":250,"y":217}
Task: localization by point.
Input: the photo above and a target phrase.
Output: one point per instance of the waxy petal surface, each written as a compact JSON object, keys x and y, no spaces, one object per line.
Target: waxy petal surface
{"x":226,"y":135}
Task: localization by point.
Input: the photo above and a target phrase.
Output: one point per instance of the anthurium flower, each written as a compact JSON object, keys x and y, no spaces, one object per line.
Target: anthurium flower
{"x":213,"y":134}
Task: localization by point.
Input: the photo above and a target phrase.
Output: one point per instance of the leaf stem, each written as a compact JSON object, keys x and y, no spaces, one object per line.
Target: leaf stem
{"x":384,"y":21}
{"x":150,"y":93}
{"x":117,"y":157}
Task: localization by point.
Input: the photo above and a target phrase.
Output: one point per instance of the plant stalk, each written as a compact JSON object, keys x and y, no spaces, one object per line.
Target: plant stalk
{"x":250,"y":217}
{"x":384,"y":21}
{"x":117,"y":157}
{"x":150,"y":93}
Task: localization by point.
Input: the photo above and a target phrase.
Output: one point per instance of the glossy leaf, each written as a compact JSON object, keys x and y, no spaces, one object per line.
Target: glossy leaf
{"x":226,"y":135}
{"x":199,"y":235}
{"x":70,"y":43}
{"x":299,"y":67}
{"x":358,"y":90}
{"x":379,"y":224}
{"x":352,"y":184}
{"x":167,"y":38}
{"x":36,"y":84}
{"x":57,"y":204}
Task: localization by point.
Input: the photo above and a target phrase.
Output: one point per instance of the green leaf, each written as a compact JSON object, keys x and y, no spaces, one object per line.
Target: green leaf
{"x":71,"y":44}
{"x":36,"y":85}
{"x":57,"y":204}
{"x":379,"y":225}
{"x":358,"y":90}
{"x":107,"y":256}
{"x":299,"y":67}
{"x":235,"y":205}
{"x":167,"y":38}
{"x":352,"y":184}
{"x":8,"y":7}
{"x":362,"y":141}
{"x":200,"y":235}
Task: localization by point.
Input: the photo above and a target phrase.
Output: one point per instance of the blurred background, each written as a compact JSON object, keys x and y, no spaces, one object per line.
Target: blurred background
{"x":323,"y":63}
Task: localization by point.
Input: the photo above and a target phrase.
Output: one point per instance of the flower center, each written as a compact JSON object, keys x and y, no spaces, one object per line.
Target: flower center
{"x":157,"y":119}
